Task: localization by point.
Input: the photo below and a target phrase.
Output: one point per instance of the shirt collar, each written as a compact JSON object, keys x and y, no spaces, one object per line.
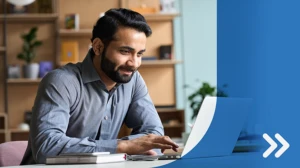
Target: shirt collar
{"x":89,"y":73}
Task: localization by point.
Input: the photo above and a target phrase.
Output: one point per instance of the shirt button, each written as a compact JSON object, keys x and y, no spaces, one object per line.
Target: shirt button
{"x":105,"y":118}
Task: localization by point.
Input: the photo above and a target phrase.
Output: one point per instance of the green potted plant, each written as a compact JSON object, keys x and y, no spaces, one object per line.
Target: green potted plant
{"x":30,"y":69}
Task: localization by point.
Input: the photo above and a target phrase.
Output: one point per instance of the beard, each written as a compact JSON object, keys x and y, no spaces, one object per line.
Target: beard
{"x":108,"y":67}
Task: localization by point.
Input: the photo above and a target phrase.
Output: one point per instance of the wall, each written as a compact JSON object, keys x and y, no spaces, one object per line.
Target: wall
{"x":195,"y":43}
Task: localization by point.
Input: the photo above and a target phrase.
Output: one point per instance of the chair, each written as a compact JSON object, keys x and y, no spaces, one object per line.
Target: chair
{"x":11,"y":153}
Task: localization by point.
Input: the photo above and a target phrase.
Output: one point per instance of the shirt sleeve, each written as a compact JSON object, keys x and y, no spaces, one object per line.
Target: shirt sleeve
{"x":50,"y":119}
{"x":142,"y":116}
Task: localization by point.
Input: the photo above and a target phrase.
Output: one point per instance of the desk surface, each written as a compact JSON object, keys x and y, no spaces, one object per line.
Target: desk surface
{"x":232,"y":161}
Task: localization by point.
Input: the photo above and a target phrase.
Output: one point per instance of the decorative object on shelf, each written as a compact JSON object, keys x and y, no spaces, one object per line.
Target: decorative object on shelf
{"x":143,"y":6}
{"x":14,"y":71}
{"x":165,"y":52}
{"x":45,"y":67}
{"x":19,"y":6}
{"x":30,"y":70}
{"x":45,"y":6}
{"x":20,"y":2}
{"x":23,"y":127}
{"x":197,"y":97}
{"x":167,"y":6}
{"x":72,"y":21}
{"x":69,"y":51}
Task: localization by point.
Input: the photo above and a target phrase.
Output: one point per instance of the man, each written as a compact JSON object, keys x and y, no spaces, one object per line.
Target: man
{"x":81,"y":107}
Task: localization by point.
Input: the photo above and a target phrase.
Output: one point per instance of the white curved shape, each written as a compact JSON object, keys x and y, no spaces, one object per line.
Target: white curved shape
{"x":202,"y":123}
{"x":20,"y":2}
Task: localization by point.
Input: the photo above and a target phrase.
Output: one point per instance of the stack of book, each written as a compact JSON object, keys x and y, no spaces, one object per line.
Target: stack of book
{"x":86,"y":158}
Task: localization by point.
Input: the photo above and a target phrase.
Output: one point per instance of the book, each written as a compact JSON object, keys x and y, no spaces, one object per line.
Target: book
{"x":86,"y":158}
{"x":69,"y":51}
{"x":72,"y":21}
{"x":149,"y":58}
{"x":84,"y":154}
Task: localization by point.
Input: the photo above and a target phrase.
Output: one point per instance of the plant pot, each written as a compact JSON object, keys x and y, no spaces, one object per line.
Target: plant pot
{"x":31,"y":71}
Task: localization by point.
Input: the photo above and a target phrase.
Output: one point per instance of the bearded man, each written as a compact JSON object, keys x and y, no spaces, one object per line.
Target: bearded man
{"x":81,"y":107}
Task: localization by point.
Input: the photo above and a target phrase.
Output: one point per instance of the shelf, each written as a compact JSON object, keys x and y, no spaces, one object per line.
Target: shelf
{"x":23,"y":80}
{"x":60,"y":64}
{"x":79,"y":32}
{"x":29,"y":17}
{"x":168,"y":110}
{"x":2,"y":49}
{"x":160,"y":16}
{"x":160,"y":62}
{"x":147,"y":63}
{"x":16,"y":130}
{"x":88,"y":32}
{"x":3,"y":114}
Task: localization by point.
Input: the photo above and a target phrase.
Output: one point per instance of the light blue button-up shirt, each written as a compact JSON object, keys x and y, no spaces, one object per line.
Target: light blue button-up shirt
{"x":74,"y":112}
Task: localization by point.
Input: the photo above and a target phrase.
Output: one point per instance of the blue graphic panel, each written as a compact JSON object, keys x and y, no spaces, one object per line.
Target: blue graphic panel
{"x":258,"y":52}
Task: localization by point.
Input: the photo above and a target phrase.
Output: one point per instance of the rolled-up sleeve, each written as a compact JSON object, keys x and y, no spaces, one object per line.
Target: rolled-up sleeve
{"x":50,"y":119}
{"x":142,"y":116}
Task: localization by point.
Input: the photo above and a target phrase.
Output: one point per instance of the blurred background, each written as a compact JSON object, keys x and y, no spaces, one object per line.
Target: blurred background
{"x":179,"y":67}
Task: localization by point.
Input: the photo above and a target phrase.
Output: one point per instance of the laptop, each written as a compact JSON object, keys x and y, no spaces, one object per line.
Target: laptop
{"x":215,"y":131}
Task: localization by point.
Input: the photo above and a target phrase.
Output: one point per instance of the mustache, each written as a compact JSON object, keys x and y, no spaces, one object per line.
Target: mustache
{"x":128,"y":68}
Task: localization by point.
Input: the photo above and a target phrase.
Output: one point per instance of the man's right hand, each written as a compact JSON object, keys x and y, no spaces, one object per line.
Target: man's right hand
{"x":146,"y":143}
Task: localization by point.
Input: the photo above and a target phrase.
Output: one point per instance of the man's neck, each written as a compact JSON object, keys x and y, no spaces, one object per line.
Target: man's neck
{"x":105,"y":79}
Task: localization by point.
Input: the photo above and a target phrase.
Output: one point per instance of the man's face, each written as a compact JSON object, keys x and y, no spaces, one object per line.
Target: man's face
{"x":122,"y":57}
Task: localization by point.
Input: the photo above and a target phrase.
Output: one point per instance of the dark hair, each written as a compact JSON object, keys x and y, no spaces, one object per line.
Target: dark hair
{"x":107,"y":25}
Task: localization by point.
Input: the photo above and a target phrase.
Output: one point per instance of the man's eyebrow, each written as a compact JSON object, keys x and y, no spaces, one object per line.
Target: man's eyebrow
{"x":131,"y":49}
{"x":127,"y":47}
{"x":144,"y":50}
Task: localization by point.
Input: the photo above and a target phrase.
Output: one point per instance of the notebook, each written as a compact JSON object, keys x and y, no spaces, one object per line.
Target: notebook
{"x":86,"y":158}
{"x":215,"y":131}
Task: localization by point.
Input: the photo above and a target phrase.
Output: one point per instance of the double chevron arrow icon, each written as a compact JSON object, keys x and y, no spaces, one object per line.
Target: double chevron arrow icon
{"x":273,"y":145}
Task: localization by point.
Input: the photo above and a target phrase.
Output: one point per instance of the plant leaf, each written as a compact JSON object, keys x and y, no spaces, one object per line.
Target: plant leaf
{"x":26,"y":47}
{"x":29,"y":45}
{"x":192,"y":96}
{"x":37,"y":43}
{"x":30,"y":57}
{"x":24,"y":37}
{"x":32,"y":34}
{"x":21,"y":56}
{"x":33,"y":30}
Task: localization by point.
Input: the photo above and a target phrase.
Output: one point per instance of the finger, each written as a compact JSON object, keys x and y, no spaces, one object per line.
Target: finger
{"x":165,"y":140}
{"x":150,"y":152}
{"x":161,"y":146}
{"x":163,"y":150}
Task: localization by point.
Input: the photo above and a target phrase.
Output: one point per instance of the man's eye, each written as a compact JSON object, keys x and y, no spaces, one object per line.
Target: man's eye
{"x":124,"y":51}
{"x":140,"y":54}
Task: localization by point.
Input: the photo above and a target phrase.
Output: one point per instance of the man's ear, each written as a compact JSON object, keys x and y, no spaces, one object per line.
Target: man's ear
{"x":97,"y":46}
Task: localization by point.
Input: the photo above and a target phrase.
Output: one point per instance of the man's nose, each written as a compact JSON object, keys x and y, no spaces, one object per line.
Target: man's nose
{"x":134,"y":61}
